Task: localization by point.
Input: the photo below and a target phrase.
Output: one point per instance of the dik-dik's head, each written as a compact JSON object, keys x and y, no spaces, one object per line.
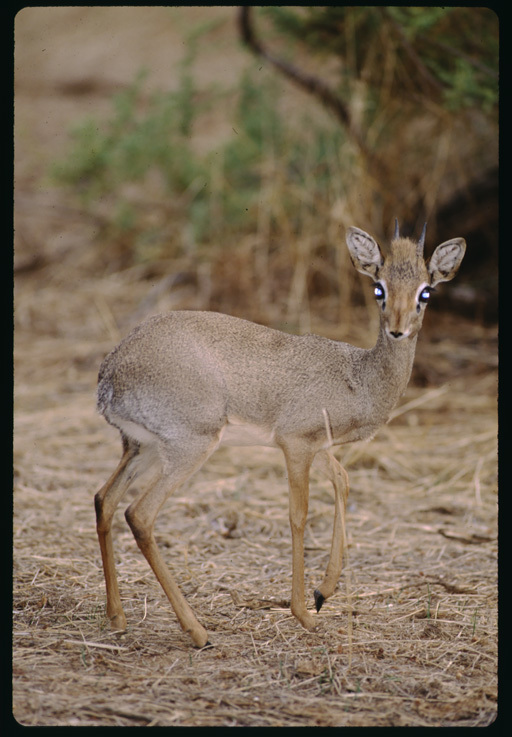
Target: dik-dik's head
{"x":402,"y":279}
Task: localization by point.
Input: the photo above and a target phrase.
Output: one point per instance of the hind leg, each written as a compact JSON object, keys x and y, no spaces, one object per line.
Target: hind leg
{"x":105,"y":502}
{"x":339,"y":480}
{"x":179,"y":463}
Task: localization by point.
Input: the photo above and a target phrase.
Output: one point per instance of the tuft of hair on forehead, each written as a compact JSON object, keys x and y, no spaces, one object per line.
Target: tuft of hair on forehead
{"x":404,"y":249}
{"x":403,"y":258}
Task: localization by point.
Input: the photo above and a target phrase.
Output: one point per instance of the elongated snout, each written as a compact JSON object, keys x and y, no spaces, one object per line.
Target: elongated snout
{"x":399,"y":318}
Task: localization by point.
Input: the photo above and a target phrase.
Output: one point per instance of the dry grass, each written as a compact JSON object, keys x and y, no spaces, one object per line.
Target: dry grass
{"x":410,"y":636}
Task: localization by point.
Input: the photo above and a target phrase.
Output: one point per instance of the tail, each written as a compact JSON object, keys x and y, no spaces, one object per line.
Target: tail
{"x":104,"y":394}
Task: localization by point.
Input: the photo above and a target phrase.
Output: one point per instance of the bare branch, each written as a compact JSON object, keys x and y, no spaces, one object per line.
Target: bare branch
{"x":308,"y":82}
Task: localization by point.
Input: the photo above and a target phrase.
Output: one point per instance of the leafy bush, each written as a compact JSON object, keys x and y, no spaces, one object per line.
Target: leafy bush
{"x":149,"y":138}
{"x":440,"y":53}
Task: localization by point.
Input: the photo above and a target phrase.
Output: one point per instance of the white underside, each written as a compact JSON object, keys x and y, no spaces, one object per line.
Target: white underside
{"x":238,"y":432}
{"x":134,"y":431}
{"x":235,"y":432}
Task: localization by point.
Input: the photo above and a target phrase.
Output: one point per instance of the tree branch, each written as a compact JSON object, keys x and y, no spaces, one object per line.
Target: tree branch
{"x":309,"y":83}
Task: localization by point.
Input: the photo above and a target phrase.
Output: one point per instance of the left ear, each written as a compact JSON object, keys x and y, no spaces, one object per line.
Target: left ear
{"x":445,"y":261}
{"x":364,"y":252}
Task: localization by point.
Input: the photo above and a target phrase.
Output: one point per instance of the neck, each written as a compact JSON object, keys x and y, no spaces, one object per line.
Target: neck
{"x":390,"y":364}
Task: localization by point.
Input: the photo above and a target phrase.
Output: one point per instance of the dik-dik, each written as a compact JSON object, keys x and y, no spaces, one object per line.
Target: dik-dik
{"x":183,"y":383}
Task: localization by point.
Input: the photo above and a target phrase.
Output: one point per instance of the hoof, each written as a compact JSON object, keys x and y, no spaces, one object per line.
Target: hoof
{"x":319,"y":600}
{"x":118,"y":623}
{"x":308,"y":622}
{"x":199,"y":637}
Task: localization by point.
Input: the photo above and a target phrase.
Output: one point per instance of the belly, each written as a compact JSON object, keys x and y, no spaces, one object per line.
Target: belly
{"x":239,"y":432}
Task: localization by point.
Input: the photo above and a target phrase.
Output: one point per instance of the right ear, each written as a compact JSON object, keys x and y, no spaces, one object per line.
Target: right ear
{"x":364,"y":252}
{"x":445,"y":260}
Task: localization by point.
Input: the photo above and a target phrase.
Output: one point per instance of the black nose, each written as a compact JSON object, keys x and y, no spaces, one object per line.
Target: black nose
{"x":396,"y":333}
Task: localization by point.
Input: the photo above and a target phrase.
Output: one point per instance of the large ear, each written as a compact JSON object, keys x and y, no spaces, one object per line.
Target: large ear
{"x":364,"y":252}
{"x":446,"y":259}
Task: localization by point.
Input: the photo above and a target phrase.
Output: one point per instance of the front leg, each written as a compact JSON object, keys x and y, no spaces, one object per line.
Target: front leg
{"x":298,"y":464}
{"x":339,"y":479}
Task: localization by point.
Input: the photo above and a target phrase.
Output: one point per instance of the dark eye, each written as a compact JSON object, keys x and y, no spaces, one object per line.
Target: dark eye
{"x":378,"y":291}
{"x":424,"y":295}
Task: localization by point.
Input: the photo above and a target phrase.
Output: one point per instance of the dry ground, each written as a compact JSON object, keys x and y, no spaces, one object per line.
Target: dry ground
{"x":409,"y":638}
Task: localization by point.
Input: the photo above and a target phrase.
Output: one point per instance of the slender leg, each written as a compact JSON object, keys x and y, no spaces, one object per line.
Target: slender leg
{"x":141,"y":515}
{"x":339,"y":479}
{"x":298,"y":464}
{"x":105,"y":502}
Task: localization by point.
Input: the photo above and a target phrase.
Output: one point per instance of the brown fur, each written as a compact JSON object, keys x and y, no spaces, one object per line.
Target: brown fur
{"x":183,"y":383}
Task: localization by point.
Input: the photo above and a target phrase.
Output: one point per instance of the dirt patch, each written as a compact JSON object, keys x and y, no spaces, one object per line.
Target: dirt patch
{"x":410,"y":636}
